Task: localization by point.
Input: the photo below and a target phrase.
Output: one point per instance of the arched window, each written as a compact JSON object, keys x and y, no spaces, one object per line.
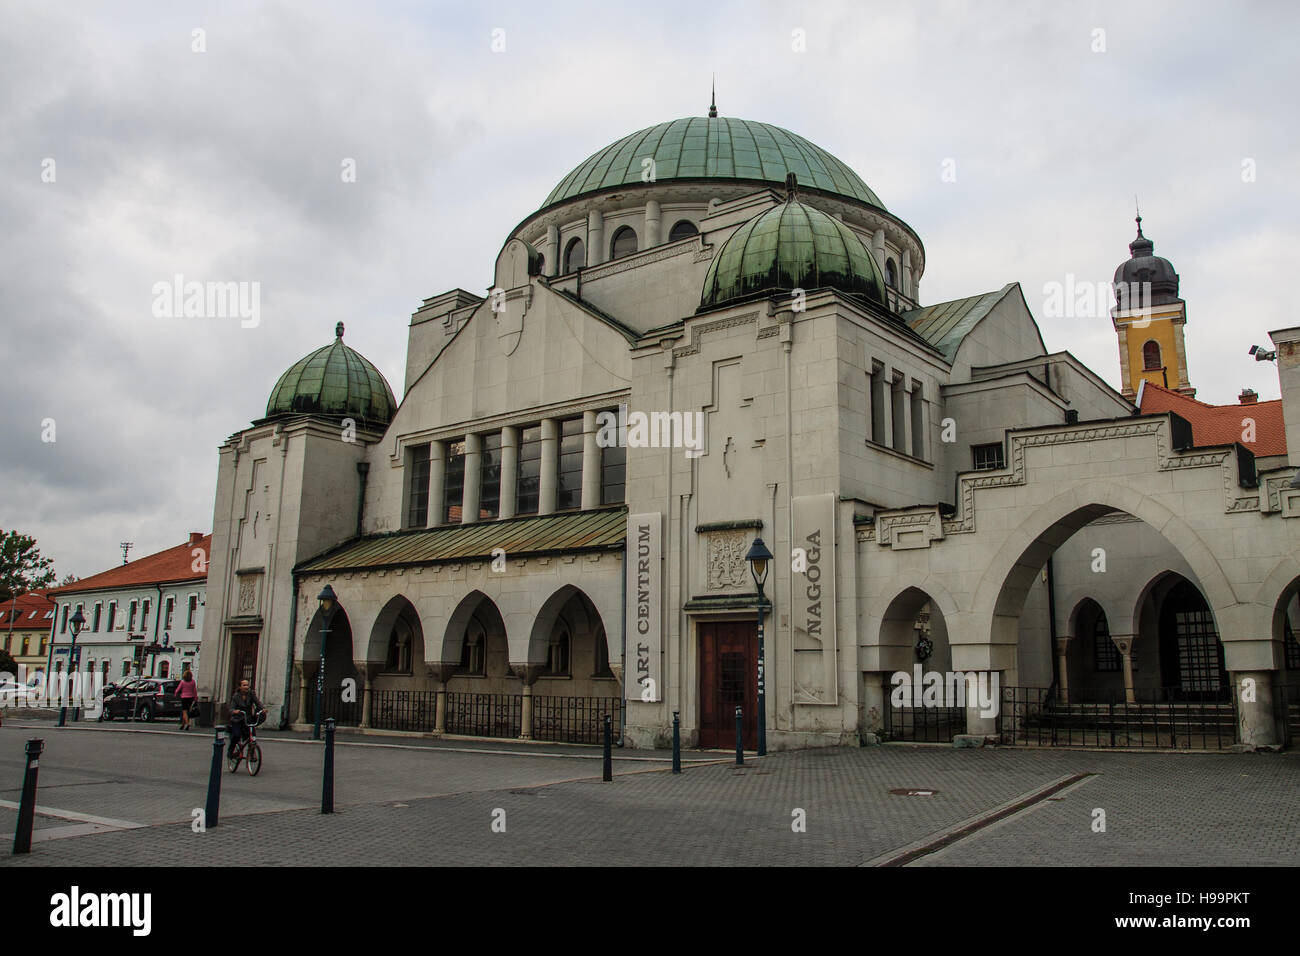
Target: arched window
{"x":541,"y":264}
{"x":473,"y":655}
{"x":891,"y":274}
{"x":601,"y":666}
{"x":623,"y":243}
{"x":575,"y":256}
{"x":1151,"y":357}
{"x":557,"y":653}
{"x":1105,"y":653}
{"x":683,"y":230}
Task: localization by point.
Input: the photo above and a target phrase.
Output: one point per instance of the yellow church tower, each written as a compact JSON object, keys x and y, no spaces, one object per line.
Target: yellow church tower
{"x":1149,"y":319}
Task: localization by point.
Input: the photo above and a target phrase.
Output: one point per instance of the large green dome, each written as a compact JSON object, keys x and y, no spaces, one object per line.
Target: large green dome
{"x":791,"y":246}
{"x":334,"y":381}
{"x":712,"y":147}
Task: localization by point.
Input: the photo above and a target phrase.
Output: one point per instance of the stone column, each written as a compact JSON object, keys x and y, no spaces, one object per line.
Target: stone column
{"x":1256,"y":723}
{"x":1124,"y":642}
{"x":905,"y":397}
{"x":302,"y":695}
{"x":980,"y":722}
{"x":473,"y":481}
{"x":878,"y":247}
{"x":906,"y":280}
{"x":550,"y":466}
{"x":652,"y":232}
{"x":509,"y":471}
{"x":888,"y":391}
{"x":551,"y":250}
{"x":590,"y":462}
{"x":527,"y":674}
{"x":442,"y":672}
{"x":437,"y":481}
{"x":595,"y":238}
{"x":367,"y":672}
{"x":1062,"y":669}
{"x":1287,"y":342}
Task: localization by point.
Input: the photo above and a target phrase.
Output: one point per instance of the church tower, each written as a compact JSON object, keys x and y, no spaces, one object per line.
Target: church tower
{"x":1149,"y":319}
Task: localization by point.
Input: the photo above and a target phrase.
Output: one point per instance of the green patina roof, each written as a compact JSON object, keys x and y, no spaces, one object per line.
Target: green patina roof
{"x":791,"y":246}
{"x":699,"y":147}
{"x":597,"y":530}
{"x":945,"y":324}
{"x":336,"y":381}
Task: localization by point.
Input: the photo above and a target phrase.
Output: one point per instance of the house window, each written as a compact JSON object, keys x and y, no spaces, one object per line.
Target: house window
{"x":165,"y":668}
{"x":171,"y":607}
{"x":27,"y":644}
{"x":683,"y":229}
{"x":918,"y":421}
{"x":541,"y":264}
{"x":613,"y":475}
{"x":600,"y":657}
{"x":557,"y":653}
{"x":399,"y":651}
{"x":126,"y":667}
{"x":1151,"y":357}
{"x":417,"y":513}
{"x":988,"y":457}
{"x":899,"y":410}
{"x":192,"y":612}
{"x":569,"y":482}
{"x":489,"y":499}
{"x":530,"y":468}
{"x":144,"y":616}
{"x":473,"y":653}
{"x":623,"y":243}
{"x":454,"y":483}
{"x":45,"y":644}
{"x":130,"y":617}
{"x":94,"y":626}
{"x":575,"y":256}
{"x":112,"y":615}
{"x":876,"y":395}
{"x":63,"y":627}
{"x":1105,"y":653}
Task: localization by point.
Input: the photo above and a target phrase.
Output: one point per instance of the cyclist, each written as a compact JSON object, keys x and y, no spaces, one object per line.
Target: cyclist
{"x":244,"y":707}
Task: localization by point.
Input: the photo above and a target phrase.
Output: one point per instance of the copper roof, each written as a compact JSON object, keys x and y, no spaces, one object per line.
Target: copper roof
{"x":597,"y":530}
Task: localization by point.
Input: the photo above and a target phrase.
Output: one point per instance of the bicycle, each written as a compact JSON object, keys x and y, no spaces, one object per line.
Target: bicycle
{"x":247,"y":748}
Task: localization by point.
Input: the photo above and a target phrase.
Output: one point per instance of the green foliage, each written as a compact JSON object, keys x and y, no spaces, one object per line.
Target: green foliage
{"x":22,"y":568}
{"x":7,"y":664}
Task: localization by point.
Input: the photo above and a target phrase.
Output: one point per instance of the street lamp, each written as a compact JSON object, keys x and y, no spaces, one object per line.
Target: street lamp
{"x":759,"y":558}
{"x":328,"y":603}
{"x":77,"y":623}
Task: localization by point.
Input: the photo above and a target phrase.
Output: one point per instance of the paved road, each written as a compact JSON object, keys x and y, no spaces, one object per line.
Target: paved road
{"x":422,"y":802}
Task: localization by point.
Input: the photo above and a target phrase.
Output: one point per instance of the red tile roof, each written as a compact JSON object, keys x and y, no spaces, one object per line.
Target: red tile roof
{"x":24,"y":605}
{"x":165,"y":567}
{"x":1221,"y":424}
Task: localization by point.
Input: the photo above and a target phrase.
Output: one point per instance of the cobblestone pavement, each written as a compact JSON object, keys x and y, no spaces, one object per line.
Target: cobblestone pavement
{"x":420,"y":804}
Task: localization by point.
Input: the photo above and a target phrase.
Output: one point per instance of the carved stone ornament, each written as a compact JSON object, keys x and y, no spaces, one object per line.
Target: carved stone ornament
{"x":727,"y":568}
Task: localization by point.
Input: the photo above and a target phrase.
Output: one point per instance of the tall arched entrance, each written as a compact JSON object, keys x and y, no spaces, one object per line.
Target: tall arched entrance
{"x":339,"y":695}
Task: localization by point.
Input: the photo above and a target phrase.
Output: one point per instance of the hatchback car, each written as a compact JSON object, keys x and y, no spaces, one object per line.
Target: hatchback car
{"x":146,"y":698}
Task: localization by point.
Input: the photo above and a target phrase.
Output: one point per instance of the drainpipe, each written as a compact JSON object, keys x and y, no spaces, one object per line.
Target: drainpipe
{"x":622,"y":737}
{"x":1051,"y":625}
{"x":363,"y":470}
{"x":288,"y":667}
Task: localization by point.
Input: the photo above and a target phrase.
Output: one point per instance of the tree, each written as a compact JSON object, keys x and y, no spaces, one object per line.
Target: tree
{"x":22,"y":568}
{"x":68,"y":578}
{"x":7,"y":664}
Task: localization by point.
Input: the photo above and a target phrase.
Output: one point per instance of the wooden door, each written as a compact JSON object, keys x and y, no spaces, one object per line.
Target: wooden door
{"x":728,"y":677}
{"x":243,"y":661}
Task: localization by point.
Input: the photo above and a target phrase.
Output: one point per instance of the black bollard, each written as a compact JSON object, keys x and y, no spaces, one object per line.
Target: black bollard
{"x":608,"y":772}
{"x":677,"y":741}
{"x":213,"y":808}
{"x":27,"y":803}
{"x":740,"y":740}
{"x":327,"y":785}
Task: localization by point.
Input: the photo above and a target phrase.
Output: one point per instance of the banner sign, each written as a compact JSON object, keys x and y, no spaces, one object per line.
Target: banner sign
{"x":812,"y":600}
{"x":644,"y":603}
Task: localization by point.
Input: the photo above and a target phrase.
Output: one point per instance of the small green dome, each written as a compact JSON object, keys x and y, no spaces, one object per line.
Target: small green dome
{"x":712,"y":147}
{"x":791,"y":246}
{"x":334,"y":381}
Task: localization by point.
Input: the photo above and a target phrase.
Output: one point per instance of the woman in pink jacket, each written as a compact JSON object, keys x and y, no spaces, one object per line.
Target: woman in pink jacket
{"x":188,"y":691}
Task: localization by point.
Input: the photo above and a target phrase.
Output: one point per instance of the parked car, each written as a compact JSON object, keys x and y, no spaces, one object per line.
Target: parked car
{"x":14,"y":694}
{"x":146,"y":698}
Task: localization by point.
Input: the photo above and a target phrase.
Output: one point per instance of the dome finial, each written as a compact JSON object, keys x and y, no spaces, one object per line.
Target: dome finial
{"x":338,"y":331}
{"x":1139,"y":216}
{"x":713,"y":99}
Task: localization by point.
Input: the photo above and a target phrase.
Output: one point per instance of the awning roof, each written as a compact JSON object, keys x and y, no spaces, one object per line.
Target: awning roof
{"x":603,"y":529}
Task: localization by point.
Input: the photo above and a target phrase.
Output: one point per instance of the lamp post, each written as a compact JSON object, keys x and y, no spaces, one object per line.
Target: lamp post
{"x":759,"y":558}
{"x":328,"y":603}
{"x":77,"y":623}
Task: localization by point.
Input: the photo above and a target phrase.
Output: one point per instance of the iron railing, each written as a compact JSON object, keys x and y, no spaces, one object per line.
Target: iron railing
{"x":1159,"y":717}
{"x":924,"y":724}
{"x":414,"y":711}
{"x":576,"y":720}
{"x":345,"y":713}
{"x":485,"y":715}
{"x":1287,"y":700}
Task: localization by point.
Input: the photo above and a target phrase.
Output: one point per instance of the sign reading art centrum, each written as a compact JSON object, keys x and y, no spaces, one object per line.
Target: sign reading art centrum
{"x":644,"y":601}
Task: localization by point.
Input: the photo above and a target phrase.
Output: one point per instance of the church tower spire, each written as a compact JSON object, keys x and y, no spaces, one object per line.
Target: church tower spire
{"x":1149,"y":317}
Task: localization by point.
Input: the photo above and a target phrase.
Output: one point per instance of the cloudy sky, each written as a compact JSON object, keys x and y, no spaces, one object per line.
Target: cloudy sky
{"x":226,"y":165}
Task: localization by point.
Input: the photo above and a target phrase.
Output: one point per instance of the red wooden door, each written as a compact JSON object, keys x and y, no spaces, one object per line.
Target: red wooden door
{"x":728,"y":677}
{"x":243,"y":661}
